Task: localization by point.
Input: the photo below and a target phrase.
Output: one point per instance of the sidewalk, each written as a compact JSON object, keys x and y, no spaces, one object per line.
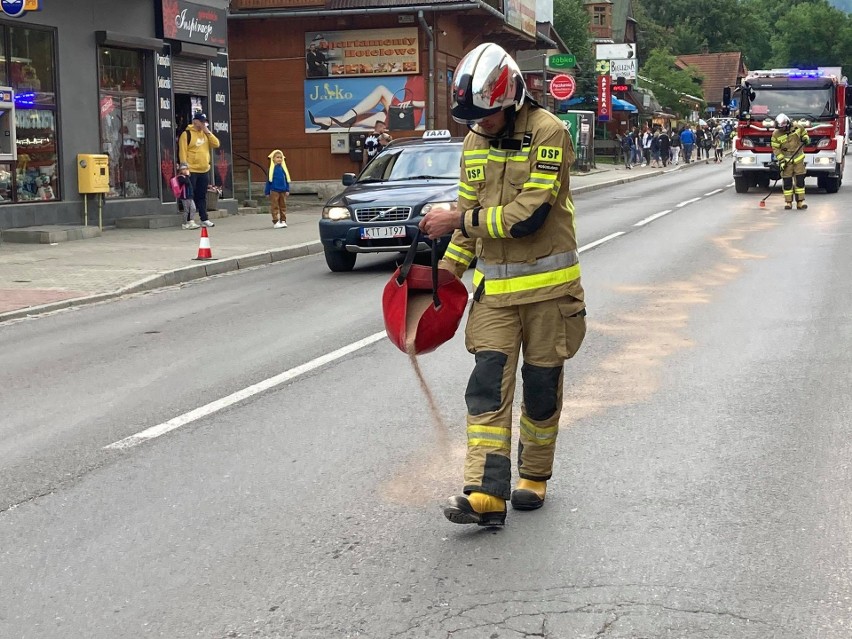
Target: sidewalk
{"x":35,"y":278}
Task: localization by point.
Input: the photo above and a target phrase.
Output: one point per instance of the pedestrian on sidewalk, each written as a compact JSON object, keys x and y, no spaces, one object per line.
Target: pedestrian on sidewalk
{"x":637,"y":147}
{"x":529,"y":300}
{"x":278,"y":188}
{"x":675,"y":147}
{"x":194,"y":149}
{"x":665,"y":147}
{"x":647,"y":136}
{"x":687,"y":138}
{"x":627,"y":149}
{"x":185,"y":199}
{"x":655,"y":150}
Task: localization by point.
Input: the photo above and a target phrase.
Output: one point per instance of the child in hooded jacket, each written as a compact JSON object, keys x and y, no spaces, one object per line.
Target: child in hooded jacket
{"x":278,"y":188}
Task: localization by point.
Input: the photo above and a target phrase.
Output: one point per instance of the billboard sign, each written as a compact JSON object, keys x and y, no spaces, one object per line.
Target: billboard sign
{"x":626,"y":69}
{"x":562,"y":86}
{"x":363,"y":52}
{"x":615,"y":51}
{"x":521,"y":15}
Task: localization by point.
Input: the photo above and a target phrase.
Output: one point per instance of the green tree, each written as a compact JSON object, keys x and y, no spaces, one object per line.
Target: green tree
{"x":813,"y":34}
{"x":668,"y":82}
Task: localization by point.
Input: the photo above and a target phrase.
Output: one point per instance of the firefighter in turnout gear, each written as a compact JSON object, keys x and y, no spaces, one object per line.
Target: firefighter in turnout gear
{"x":516,"y":216}
{"x":787,"y":144}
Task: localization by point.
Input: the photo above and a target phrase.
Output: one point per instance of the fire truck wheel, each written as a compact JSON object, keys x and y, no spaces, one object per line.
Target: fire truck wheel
{"x":741,"y":184}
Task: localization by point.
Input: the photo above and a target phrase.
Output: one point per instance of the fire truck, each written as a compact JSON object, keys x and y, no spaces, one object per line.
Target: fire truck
{"x":818,"y":99}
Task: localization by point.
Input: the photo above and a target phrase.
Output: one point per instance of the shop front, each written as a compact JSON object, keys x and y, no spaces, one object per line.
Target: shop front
{"x":86,"y":80}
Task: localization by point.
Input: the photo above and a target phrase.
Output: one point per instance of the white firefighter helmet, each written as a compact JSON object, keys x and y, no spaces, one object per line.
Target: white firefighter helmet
{"x":782,"y":121}
{"x":487,"y":81}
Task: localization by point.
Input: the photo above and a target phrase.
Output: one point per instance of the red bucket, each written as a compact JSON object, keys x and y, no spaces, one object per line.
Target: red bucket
{"x":423,"y":306}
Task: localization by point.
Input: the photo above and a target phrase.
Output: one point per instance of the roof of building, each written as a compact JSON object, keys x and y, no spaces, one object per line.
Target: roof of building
{"x":720,"y":70}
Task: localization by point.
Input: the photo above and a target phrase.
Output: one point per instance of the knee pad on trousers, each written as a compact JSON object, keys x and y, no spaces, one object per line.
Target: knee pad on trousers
{"x":800,"y":181}
{"x":787,"y":183}
{"x":484,"y":389}
{"x":540,"y":389}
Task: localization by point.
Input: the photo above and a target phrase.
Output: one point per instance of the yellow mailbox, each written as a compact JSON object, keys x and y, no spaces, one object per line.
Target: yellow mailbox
{"x":92,"y":173}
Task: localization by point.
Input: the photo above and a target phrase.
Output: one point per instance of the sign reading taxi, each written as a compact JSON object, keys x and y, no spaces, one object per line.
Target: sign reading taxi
{"x":15,"y":8}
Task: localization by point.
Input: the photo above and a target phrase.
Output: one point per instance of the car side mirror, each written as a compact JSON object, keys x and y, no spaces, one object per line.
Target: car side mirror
{"x":348,"y":179}
{"x":848,"y":91}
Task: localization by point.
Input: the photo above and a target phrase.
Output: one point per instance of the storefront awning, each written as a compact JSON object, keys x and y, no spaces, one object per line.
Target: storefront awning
{"x":617,"y":104}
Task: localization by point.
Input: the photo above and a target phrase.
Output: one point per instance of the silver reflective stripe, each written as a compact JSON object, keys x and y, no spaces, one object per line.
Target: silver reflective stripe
{"x":542,"y":265}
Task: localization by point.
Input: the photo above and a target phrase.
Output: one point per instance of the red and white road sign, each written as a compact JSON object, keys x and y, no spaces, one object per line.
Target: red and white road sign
{"x":562,"y":86}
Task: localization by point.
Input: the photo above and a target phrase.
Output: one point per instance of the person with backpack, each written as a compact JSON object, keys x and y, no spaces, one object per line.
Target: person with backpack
{"x":182,"y":188}
{"x":627,"y":149}
{"x":194,"y":150}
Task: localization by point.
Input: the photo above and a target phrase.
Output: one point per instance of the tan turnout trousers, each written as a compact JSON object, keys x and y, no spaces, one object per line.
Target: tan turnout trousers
{"x":548,"y":332}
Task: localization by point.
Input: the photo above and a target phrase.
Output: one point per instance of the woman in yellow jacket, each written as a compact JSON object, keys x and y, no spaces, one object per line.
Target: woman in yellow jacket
{"x":194,"y":149}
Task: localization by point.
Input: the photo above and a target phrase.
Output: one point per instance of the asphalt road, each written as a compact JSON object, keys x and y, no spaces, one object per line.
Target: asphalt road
{"x":284,"y":488}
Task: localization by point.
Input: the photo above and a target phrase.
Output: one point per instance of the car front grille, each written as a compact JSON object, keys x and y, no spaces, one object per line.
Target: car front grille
{"x":383,"y":214}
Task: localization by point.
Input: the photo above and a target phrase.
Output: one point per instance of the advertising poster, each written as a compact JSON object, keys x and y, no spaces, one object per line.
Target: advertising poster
{"x":363,"y":52}
{"x":165,"y":122}
{"x":220,"y":124}
{"x":342,"y":105}
{"x":521,"y":15}
{"x":190,"y":22}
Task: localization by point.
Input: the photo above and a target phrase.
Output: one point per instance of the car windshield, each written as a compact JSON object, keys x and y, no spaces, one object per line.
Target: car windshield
{"x":415,"y":162}
{"x":811,"y":104}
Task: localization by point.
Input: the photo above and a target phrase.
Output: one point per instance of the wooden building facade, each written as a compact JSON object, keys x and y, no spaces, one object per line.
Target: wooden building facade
{"x":312,"y":80}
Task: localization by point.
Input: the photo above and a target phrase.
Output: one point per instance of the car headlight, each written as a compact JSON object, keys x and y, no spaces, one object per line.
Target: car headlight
{"x":336,"y":213}
{"x":749,"y":159}
{"x":441,"y":206}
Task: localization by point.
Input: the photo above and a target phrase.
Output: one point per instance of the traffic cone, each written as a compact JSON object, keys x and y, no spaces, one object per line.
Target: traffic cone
{"x":204,"y":252}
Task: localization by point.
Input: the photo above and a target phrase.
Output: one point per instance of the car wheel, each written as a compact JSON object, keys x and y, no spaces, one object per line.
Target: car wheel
{"x":741,"y":184}
{"x":339,"y":261}
{"x":832,"y":184}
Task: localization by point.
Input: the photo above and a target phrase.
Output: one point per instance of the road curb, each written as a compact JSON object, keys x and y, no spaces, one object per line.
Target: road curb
{"x":176,"y":276}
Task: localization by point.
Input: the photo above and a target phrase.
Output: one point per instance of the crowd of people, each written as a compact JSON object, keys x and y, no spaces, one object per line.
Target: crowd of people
{"x":657,"y":146}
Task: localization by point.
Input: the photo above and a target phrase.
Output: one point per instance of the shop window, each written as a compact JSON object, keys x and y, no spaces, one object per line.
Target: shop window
{"x":29,"y":67}
{"x":122,"y":120}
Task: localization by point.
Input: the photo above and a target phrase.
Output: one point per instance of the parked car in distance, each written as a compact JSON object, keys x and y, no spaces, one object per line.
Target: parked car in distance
{"x":380,"y":209}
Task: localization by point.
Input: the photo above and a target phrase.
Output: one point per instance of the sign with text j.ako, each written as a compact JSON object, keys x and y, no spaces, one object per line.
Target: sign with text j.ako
{"x":604,"y":98}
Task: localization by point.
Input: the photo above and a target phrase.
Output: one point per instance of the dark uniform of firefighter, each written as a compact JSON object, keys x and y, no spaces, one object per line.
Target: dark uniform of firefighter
{"x":788,"y":143}
{"x":515,"y":214}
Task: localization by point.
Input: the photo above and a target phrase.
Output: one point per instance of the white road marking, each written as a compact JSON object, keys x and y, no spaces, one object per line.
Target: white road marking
{"x":653,"y":217}
{"x":214,"y":407}
{"x":712,"y":192}
{"x":241,"y":395}
{"x":695,"y":199}
{"x":599,"y":242}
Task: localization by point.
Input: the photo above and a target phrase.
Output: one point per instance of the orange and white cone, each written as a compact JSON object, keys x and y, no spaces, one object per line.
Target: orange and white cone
{"x":204,"y":252}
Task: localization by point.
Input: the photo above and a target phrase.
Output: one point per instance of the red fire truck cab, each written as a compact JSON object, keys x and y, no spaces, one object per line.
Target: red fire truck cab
{"x":818,"y":99}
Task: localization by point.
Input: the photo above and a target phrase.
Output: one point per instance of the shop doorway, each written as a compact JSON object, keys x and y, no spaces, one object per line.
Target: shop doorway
{"x":185,"y":105}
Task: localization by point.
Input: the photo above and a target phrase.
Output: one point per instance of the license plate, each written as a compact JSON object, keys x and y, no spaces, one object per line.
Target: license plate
{"x":382,"y":232}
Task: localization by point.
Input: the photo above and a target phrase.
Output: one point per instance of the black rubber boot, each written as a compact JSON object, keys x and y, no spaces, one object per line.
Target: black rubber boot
{"x":460,"y":510}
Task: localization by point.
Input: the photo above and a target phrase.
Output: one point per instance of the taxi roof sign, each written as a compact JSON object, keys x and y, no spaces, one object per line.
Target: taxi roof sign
{"x":437,"y":134}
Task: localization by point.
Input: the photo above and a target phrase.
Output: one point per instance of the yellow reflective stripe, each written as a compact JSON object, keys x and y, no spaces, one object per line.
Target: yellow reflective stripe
{"x":520,"y":157}
{"x":492,"y":436}
{"x":540,"y":181}
{"x":467,"y":192}
{"x":541,"y":435}
{"x":799,"y":157}
{"x":458,"y":254}
{"x":475,"y":153}
{"x":494,"y":221}
{"x":528,"y":282}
